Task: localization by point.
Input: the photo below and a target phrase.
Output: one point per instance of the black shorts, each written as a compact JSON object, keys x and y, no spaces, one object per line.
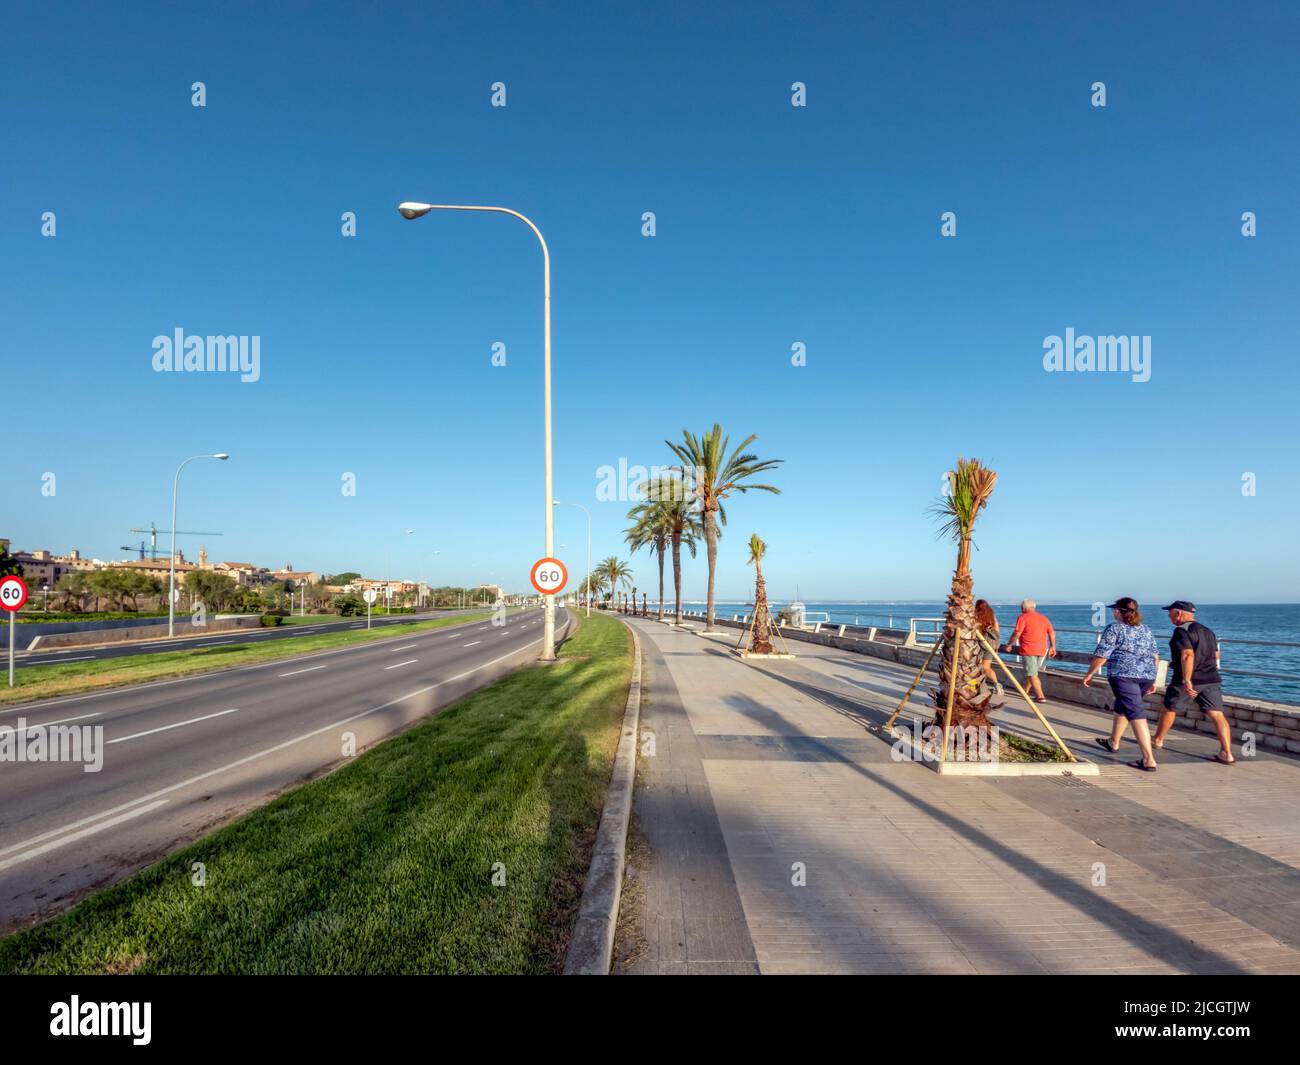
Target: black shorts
{"x":1208,"y":697}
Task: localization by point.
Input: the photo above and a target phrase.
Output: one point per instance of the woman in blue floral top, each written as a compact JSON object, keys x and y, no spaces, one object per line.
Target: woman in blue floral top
{"x":1128,"y":651}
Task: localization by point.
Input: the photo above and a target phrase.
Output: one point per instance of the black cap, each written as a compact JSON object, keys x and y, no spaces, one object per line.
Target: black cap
{"x":1123,"y":604}
{"x":1181,"y":604}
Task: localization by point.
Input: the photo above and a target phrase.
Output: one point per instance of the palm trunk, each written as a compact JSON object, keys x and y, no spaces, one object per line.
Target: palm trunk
{"x":711,"y":537}
{"x":677,"y":577}
{"x":967,"y":710}
{"x":762,"y":641}
{"x":661,"y":580}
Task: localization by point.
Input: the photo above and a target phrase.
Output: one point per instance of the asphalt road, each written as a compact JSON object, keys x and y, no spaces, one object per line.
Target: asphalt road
{"x":182,"y":755}
{"x":216,"y":639}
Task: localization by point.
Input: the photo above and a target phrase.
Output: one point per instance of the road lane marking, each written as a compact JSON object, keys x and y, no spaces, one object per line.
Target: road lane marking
{"x":404,"y":647}
{"x":398,"y":665}
{"x":58,"y":661}
{"x":178,"y":724}
{"x":37,"y":851}
{"x":295,"y":672}
{"x":472,"y":643}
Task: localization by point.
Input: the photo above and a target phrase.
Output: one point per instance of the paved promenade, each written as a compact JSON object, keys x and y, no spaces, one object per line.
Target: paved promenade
{"x":779,"y":836}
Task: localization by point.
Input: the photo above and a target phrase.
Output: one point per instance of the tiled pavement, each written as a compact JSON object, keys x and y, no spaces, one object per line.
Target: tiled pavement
{"x":768,"y":774}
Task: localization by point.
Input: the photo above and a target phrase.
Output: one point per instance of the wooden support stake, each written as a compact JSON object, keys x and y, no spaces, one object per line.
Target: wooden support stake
{"x":952,"y":691}
{"x":1028,"y":699}
{"x":903,"y":702}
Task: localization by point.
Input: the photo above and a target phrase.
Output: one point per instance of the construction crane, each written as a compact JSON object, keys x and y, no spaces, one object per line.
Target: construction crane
{"x":153,"y":538}
{"x":134,"y":547}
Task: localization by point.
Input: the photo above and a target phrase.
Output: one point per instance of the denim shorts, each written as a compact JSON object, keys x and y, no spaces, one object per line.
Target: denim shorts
{"x":1128,"y":696}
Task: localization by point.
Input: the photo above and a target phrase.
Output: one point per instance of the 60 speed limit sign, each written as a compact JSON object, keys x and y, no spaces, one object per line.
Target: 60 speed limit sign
{"x":549,"y":575}
{"x":13,"y":593}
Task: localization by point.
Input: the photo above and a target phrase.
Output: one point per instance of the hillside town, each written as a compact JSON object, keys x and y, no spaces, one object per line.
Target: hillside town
{"x":143,"y":581}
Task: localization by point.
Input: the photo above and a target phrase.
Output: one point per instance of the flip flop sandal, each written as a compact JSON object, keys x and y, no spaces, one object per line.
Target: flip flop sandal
{"x":1223,"y":761}
{"x":1105,"y":745}
{"x":1139,"y":764}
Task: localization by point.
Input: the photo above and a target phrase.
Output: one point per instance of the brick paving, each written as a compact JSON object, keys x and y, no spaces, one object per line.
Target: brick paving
{"x":785,"y":839}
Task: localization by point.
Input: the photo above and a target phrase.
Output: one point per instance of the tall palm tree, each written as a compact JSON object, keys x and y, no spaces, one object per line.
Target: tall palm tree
{"x":714,"y":475}
{"x":650,"y":529}
{"x":761,"y":644}
{"x":614,"y":572}
{"x":968,"y":490}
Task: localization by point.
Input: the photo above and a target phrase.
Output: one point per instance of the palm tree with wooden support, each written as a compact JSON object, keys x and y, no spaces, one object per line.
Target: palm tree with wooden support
{"x":762,"y":628}
{"x":958,"y":698}
{"x":714,"y":475}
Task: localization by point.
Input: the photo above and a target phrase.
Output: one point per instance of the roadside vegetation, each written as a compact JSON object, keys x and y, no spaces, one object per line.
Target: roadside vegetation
{"x":76,"y":678}
{"x":460,"y":846}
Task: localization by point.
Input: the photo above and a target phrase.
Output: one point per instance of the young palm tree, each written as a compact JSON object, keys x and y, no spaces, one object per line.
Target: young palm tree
{"x":761,"y":644}
{"x":614,"y":572}
{"x":969,"y":487}
{"x":714,"y":475}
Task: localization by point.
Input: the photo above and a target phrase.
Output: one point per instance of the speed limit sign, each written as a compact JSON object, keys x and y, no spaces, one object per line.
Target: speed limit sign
{"x":549,"y":575}
{"x":13,"y":593}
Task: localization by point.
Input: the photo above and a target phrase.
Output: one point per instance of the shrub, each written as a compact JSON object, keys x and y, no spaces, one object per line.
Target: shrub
{"x":271,"y":620}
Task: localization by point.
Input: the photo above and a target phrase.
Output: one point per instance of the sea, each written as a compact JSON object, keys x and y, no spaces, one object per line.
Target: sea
{"x":1077,"y":628}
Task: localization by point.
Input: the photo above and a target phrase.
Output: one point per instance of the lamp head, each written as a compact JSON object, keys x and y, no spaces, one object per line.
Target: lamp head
{"x":413,"y":210}
{"x":221,"y":455}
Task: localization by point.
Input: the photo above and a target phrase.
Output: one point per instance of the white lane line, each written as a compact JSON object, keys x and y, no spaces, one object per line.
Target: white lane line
{"x":178,"y":724}
{"x":295,"y":672}
{"x":398,"y":665}
{"x":472,"y":643}
{"x":404,"y":647}
{"x":455,"y":635}
{"x":58,"y":661}
{"x":44,"y":724}
{"x":37,"y":851}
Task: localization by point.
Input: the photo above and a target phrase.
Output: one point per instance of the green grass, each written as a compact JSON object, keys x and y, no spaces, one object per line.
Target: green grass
{"x":386,"y":864}
{"x":75,"y":678}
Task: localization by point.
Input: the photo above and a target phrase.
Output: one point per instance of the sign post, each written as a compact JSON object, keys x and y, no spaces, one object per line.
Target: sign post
{"x":13,"y":594}
{"x":369,"y":595}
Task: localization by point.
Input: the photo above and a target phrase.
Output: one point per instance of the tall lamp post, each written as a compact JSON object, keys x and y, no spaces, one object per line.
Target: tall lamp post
{"x":560,"y":502}
{"x":411,"y":210}
{"x":171,"y":577}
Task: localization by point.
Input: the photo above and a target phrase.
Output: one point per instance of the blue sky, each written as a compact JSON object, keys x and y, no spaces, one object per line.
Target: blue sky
{"x":775,"y":225}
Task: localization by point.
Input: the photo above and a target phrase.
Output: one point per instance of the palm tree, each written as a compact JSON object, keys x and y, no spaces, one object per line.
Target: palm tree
{"x":666,"y":519}
{"x":968,"y":490}
{"x":714,"y":476}
{"x":613,"y":573}
{"x":761,"y":644}
{"x":593,"y":585}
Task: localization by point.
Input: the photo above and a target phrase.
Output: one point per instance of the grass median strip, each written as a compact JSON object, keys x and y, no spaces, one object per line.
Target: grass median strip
{"x":48,"y":681}
{"x":459,"y":846}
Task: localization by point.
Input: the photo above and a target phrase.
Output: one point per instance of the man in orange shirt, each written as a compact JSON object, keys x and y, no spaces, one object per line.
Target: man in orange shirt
{"x":1037,"y":640}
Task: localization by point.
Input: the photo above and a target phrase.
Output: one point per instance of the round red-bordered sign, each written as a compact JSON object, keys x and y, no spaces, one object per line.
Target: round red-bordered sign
{"x":549,"y":575}
{"x":13,"y":593}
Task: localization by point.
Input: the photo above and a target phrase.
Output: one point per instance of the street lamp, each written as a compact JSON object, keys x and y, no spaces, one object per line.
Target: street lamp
{"x":560,"y":502}
{"x":411,"y":210}
{"x":171,"y":577}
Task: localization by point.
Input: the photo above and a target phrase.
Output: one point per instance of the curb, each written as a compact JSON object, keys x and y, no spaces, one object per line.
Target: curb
{"x":591,"y":949}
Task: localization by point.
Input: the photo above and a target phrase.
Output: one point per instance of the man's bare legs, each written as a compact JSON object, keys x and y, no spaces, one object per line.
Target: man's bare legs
{"x":1221,"y":729}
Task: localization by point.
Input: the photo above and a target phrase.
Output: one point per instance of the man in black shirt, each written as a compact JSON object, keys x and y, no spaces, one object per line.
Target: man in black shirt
{"x":1194,"y":677}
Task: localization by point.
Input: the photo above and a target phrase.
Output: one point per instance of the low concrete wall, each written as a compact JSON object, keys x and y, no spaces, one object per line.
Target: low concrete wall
{"x":1276,"y":726}
{"x":184,"y":628}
